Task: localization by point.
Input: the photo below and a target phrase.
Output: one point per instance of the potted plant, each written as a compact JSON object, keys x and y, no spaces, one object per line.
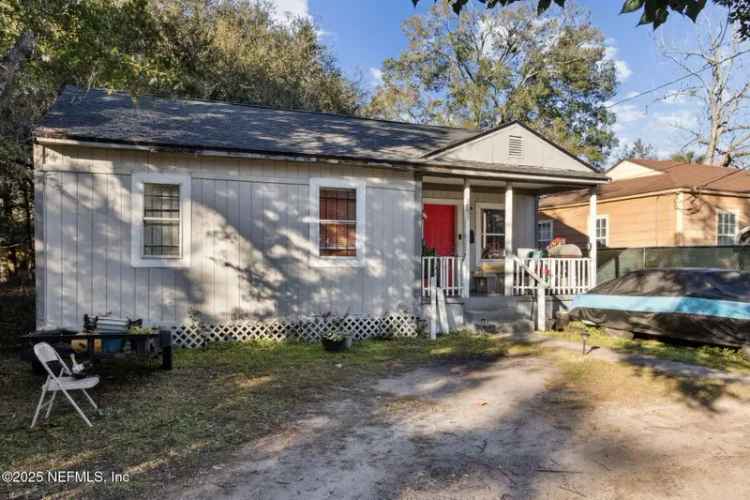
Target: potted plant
{"x":334,"y":336}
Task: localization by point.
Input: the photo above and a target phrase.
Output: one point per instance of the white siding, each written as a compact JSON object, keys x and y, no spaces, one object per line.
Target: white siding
{"x":493,"y":148}
{"x":249,"y":241}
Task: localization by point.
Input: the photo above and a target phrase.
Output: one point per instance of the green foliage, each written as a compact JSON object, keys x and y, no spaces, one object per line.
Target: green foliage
{"x":654,"y":12}
{"x":489,"y":67}
{"x":639,"y":150}
{"x":688,"y":157}
{"x":211,"y":49}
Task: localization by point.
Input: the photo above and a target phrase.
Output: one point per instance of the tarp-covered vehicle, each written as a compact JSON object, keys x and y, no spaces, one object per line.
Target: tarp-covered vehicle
{"x":703,"y":305}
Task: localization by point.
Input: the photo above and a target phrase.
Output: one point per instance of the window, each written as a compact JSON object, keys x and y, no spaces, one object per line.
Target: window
{"x":602,"y":231}
{"x":160,"y":220}
{"x":493,"y":233}
{"x":726,"y":228}
{"x":515,"y":146}
{"x":544,"y":233}
{"x":338,"y":221}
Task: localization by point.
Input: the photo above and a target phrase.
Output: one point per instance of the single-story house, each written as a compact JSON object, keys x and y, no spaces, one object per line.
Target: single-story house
{"x":168,"y":210}
{"x":654,"y":203}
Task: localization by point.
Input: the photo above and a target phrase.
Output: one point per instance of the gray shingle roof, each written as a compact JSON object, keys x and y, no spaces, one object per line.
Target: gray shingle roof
{"x":97,"y":115}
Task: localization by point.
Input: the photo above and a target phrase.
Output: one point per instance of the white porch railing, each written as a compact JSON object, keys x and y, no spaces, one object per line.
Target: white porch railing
{"x":446,"y":271}
{"x":564,"y":276}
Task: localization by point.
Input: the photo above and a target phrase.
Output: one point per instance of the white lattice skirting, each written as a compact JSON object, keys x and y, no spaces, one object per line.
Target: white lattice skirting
{"x":193,"y":335}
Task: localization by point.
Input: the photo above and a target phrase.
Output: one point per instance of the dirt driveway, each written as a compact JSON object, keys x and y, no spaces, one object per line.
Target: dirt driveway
{"x":514,"y":428}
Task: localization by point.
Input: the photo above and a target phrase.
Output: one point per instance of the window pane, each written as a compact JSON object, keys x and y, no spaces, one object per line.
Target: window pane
{"x":338,"y":234}
{"x":494,"y":247}
{"x":338,"y":239}
{"x":494,"y":221}
{"x":545,"y":232}
{"x":161,"y":201}
{"x":727,"y":228}
{"x":338,"y":204}
{"x":161,"y":238}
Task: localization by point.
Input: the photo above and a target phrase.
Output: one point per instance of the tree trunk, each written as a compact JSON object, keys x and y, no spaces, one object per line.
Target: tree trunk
{"x":27,"y":211}
{"x":14,"y":60}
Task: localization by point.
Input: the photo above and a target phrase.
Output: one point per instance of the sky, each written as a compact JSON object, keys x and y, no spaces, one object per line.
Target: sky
{"x":363,"y":33}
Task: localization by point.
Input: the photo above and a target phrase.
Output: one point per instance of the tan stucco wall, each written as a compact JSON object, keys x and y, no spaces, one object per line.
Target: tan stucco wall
{"x":647,"y":221}
{"x":701,"y":214}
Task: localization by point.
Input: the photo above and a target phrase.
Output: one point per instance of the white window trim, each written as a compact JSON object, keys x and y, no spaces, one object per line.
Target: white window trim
{"x":736,"y":214}
{"x":336,"y":183}
{"x":137,"y":259}
{"x":479,"y":230}
{"x":551,"y":224}
{"x":606,"y":235}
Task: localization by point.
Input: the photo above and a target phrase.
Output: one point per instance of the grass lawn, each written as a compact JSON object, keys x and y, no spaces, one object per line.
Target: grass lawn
{"x":712,"y":357}
{"x":158,"y":426}
{"x":161,"y":427}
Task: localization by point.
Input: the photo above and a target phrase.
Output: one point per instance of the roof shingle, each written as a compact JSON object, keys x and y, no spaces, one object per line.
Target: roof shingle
{"x":116,"y":117}
{"x":674,"y":175}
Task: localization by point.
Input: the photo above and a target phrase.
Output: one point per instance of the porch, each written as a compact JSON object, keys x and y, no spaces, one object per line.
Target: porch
{"x":481,"y":250}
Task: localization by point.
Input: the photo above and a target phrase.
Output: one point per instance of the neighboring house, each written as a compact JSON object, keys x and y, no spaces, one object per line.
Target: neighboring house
{"x":654,"y":203}
{"x":159,"y":208}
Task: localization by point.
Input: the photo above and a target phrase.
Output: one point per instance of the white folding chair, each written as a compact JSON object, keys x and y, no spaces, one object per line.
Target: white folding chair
{"x":59,"y":383}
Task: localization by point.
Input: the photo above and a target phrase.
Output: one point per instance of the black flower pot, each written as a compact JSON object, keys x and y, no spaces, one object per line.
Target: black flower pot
{"x":333,"y":345}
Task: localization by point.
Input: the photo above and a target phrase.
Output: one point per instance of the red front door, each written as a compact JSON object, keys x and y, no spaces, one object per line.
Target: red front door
{"x":440,"y":228}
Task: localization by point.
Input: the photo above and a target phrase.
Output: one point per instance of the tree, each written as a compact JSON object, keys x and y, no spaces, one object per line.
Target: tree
{"x":688,"y":157}
{"x":655,"y":12}
{"x":639,"y":150}
{"x":236,"y":51}
{"x":42,"y":46}
{"x":217,"y":49}
{"x":720,"y":89}
{"x":485,"y":68}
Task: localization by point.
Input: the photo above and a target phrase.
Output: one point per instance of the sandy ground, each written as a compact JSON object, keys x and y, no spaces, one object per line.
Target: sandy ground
{"x":495,"y":430}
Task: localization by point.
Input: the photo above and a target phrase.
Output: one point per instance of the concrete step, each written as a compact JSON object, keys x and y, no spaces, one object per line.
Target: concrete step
{"x":495,"y":303}
{"x":498,"y":315}
{"x":513,"y":327}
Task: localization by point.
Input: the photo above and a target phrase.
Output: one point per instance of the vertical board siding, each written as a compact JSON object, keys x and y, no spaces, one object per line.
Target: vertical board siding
{"x":100,"y":242}
{"x":250,"y":245}
{"x":84,"y":246}
{"x":53,"y":244}
{"x":69,"y":244}
{"x":40,"y":250}
{"x":120,"y":251}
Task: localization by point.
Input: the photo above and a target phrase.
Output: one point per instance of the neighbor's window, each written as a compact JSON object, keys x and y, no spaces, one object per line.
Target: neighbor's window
{"x":493,"y":233}
{"x":602,"y":231}
{"x":161,"y":220}
{"x":727,"y":228}
{"x":544,"y":233}
{"x":338,"y":222}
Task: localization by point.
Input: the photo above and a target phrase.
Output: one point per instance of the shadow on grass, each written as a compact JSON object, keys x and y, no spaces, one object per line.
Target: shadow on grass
{"x":157,"y":424}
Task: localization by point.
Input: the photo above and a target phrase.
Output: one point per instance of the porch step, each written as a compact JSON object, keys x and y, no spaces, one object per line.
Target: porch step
{"x":495,"y":303}
{"x":500,"y":313}
{"x":514,"y":327}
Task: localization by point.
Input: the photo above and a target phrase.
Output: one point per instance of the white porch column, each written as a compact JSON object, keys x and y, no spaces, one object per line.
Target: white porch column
{"x":466,"y":264}
{"x":592,"y":234}
{"x":508,"y":239}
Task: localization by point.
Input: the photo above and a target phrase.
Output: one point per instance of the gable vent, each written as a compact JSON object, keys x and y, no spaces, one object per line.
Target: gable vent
{"x":515,"y":146}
